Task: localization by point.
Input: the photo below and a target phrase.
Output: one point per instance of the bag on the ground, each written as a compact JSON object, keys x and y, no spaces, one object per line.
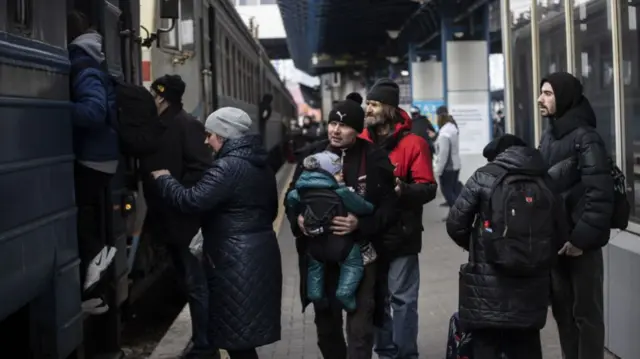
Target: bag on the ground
{"x":518,"y":226}
{"x":136,"y":116}
{"x":458,"y":342}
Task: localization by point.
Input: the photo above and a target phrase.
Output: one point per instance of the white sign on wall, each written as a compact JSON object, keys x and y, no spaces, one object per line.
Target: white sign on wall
{"x":473,"y":123}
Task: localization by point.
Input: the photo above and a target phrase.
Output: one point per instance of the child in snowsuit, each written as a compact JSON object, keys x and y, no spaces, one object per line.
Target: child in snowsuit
{"x":322,"y":195}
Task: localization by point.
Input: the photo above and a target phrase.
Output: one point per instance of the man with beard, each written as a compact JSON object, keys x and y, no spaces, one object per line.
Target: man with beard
{"x":390,"y":127}
{"x":368,"y":171}
{"x":581,"y":172}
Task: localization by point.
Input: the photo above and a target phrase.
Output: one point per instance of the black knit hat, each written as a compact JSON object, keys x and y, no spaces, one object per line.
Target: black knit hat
{"x":169,"y":87}
{"x":500,"y":144}
{"x":354,"y":96}
{"x":385,"y":91}
{"x":349,"y":113}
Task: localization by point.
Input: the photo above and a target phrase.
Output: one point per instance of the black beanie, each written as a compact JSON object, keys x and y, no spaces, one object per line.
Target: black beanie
{"x":169,"y":87}
{"x":354,"y":96}
{"x":500,"y":144}
{"x":385,"y":91}
{"x":349,"y":113}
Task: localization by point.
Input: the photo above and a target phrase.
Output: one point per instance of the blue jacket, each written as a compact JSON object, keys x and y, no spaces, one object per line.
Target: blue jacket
{"x":94,"y":102}
{"x":353,"y":202}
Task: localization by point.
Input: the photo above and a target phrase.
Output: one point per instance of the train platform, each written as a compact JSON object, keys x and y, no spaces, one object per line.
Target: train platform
{"x":439,"y":261}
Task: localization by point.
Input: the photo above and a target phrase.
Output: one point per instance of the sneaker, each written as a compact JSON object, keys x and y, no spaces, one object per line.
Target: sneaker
{"x":95,"y":306}
{"x":98,"y":265}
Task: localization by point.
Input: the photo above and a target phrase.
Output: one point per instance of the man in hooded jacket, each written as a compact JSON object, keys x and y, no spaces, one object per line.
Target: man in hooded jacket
{"x":389,"y":127}
{"x":580,"y":168}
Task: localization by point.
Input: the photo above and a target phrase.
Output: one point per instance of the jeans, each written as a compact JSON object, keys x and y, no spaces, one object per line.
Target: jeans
{"x":449,"y":186}
{"x":190,"y":269}
{"x":513,"y":344}
{"x":398,"y":337}
{"x":577,"y":302}
{"x":328,"y":318}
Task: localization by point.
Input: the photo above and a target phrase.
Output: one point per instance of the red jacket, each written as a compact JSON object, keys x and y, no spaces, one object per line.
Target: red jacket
{"x":411,"y":157}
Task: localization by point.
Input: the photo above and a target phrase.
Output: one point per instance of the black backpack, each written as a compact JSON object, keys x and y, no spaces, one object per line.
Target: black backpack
{"x":518,"y":229}
{"x":136,"y":119}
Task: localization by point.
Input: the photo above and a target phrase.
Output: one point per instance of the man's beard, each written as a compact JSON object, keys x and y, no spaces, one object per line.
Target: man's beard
{"x":373,"y":120}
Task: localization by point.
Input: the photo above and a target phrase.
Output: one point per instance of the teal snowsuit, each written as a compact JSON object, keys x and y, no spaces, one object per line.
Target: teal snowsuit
{"x":352,"y":268}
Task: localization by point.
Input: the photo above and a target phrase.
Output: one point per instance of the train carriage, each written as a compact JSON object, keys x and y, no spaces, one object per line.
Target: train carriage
{"x":39,"y":281}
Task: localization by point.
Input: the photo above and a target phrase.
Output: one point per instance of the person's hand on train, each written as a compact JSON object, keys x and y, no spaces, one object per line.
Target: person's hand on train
{"x":159,"y":173}
{"x":344,"y":225}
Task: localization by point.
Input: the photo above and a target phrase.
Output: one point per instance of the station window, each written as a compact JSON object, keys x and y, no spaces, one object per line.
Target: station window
{"x":20,"y":15}
{"x":522,"y":64}
{"x":631,"y":77}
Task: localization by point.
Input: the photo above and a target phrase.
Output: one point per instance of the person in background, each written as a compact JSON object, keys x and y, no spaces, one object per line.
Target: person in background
{"x":389,"y":127}
{"x":95,"y":145}
{"x":448,"y":163}
{"x":183,"y":153}
{"x":421,"y":126}
{"x":238,"y":198}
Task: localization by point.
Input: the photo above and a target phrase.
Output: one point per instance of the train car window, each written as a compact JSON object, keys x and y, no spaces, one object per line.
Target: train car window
{"x":20,"y":16}
{"x":182,"y":36}
{"x":187,"y":25}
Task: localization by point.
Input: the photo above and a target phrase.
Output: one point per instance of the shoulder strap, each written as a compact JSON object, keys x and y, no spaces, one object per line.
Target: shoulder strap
{"x":500,"y":174}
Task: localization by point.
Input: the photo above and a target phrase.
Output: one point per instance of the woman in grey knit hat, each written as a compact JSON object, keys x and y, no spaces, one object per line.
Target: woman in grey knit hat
{"x":239,"y":202}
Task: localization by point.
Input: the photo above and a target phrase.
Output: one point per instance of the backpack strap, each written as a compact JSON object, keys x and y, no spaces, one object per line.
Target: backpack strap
{"x":500,"y":174}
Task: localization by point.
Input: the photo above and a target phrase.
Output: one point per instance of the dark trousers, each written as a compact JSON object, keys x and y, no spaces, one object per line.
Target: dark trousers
{"x":449,"y":186}
{"x":92,"y":199}
{"x":513,"y":344}
{"x":578,"y":305}
{"x":191,"y":271}
{"x":328,"y":319}
{"x":243,"y":354}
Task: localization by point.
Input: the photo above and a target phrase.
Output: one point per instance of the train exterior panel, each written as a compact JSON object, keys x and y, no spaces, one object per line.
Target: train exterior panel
{"x":38,"y":246}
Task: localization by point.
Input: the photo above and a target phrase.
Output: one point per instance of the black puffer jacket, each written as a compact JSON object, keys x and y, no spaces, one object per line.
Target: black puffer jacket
{"x":579,"y":164}
{"x":489,"y":298}
{"x":239,"y":198}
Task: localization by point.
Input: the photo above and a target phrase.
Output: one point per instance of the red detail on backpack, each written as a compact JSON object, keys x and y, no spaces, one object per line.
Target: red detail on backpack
{"x":529,"y":199}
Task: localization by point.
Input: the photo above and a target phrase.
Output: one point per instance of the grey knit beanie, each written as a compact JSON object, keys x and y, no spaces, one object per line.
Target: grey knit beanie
{"x":228,"y":122}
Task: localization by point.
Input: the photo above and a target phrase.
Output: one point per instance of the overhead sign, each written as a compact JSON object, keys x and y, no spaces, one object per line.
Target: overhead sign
{"x":324,"y":60}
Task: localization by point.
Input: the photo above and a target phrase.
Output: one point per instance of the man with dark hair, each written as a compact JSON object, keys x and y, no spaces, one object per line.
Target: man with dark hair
{"x":580,"y":167}
{"x":181,"y":151}
{"x":95,"y":145}
{"x":366,"y":169}
{"x":389,"y":127}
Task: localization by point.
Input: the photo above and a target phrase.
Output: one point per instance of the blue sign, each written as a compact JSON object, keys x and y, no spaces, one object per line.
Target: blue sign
{"x":428,"y":108}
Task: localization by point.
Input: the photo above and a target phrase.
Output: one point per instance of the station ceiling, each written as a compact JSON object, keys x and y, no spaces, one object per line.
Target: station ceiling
{"x":323,"y":35}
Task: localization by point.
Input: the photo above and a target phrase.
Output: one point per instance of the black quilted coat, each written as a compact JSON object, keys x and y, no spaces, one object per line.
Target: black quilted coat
{"x":488,"y":298}
{"x":579,"y":164}
{"x":244,"y":272}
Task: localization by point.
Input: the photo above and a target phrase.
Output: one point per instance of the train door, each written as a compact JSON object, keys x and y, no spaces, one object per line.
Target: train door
{"x":212,"y":79}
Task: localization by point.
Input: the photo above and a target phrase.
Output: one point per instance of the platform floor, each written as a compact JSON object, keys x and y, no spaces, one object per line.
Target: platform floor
{"x":439,"y":260}
{"x":439,"y":264}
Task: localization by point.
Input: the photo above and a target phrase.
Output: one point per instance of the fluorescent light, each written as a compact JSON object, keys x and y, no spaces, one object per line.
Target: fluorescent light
{"x":404,"y":73}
